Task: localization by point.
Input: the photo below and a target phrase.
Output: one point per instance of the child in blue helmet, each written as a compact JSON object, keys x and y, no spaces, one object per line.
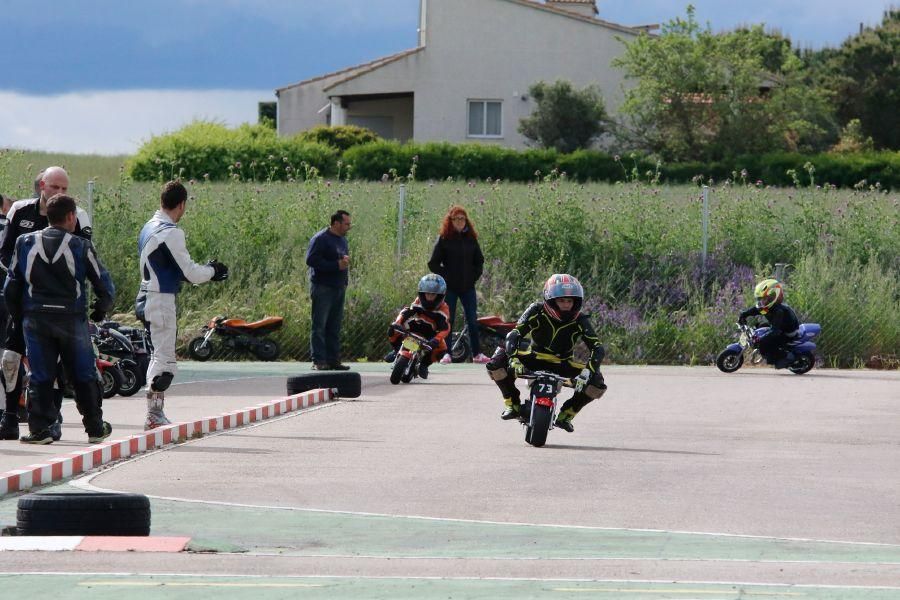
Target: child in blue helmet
{"x":427,"y":316}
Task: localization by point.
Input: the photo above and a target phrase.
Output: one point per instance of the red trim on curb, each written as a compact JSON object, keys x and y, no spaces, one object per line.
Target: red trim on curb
{"x":75,"y":463}
{"x":132,"y":544}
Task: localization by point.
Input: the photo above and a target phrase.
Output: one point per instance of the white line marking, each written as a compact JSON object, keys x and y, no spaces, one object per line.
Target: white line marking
{"x":514,"y":523}
{"x":439,"y":578}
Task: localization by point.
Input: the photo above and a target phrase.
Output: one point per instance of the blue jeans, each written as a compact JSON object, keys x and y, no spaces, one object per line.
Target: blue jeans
{"x":470,"y":308}
{"x":327,"y":314}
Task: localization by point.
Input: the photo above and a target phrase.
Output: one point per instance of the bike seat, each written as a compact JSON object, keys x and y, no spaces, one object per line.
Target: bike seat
{"x":495,"y":321}
{"x":262,"y":323}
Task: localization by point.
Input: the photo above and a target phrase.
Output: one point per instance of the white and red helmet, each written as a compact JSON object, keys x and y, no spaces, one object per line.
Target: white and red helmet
{"x":559,"y":286}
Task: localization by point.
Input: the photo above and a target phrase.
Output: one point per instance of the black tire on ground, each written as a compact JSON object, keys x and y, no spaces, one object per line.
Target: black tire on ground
{"x":83,"y":513}
{"x":803,"y":364}
{"x":459,"y":352}
{"x":399,"y":368}
{"x":729,"y":361}
{"x":111,"y":381}
{"x":536,"y":434}
{"x":131,"y":380}
{"x":348,"y":383}
{"x":200,"y":350}
{"x":266,"y":350}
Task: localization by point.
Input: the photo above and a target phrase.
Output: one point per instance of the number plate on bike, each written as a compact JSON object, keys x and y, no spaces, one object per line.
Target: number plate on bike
{"x":543,"y":401}
{"x":411,"y":344}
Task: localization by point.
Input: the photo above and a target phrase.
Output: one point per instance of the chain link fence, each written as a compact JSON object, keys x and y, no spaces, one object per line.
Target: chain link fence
{"x":664,"y":277}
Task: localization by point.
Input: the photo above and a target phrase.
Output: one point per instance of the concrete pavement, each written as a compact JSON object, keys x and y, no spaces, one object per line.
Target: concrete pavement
{"x":757,"y":483}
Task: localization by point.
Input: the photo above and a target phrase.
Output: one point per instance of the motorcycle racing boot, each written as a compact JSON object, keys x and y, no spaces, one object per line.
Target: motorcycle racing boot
{"x":423,"y":371}
{"x":9,"y":426}
{"x":512,"y":409}
{"x":155,"y":415}
{"x":564,"y":420}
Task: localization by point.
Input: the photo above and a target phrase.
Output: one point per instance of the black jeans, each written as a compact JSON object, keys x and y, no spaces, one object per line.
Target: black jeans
{"x":470,"y":309}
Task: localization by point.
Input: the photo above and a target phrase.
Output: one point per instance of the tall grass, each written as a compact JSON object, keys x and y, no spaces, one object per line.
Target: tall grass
{"x":635,"y":246}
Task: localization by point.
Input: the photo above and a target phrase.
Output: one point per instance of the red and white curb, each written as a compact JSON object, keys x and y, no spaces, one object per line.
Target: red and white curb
{"x":81,"y":461}
{"x":88,"y":543}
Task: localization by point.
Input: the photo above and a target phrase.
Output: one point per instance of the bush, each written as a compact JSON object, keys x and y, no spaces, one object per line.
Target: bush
{"x":341,"y":137}
{"x":204,"y":150}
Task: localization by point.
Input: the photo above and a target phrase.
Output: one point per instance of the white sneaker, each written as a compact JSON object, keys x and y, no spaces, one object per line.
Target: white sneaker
{"x":481,"y":359}
{"x":446,"y":360}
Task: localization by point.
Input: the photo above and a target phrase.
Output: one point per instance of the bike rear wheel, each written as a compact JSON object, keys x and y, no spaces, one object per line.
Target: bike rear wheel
{"x":803,"y":364}
{"x":459,"y":347}
{"x":266,"y":350}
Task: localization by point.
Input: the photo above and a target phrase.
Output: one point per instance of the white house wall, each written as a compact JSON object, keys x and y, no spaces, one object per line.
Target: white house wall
{"x":298,"y":106}
{"x":489,"y":50}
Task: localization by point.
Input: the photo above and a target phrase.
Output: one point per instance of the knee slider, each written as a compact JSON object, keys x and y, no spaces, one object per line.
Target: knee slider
{"x":162,"y":382}
{"x":497,"y":370}
{"x":594,"y":391}
{"x":595,"y":387}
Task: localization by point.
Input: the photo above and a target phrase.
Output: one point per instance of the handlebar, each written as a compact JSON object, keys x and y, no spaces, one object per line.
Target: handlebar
{"x":408,"y":333}
{"x":564,"y":381}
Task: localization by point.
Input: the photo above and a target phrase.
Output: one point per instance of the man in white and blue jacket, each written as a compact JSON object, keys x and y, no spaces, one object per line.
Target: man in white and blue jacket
{"x":165,"y":264}
{"x":45,"y":288}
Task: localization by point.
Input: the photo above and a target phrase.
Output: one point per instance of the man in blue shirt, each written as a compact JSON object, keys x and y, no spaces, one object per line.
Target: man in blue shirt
{"x":328,"y":257}
{"x":46,"y":290}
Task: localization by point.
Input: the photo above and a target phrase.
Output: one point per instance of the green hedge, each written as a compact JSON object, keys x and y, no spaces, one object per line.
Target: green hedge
{"x":208,"y":150}
{"x":341,"y":137}
{"x":205,"y":150}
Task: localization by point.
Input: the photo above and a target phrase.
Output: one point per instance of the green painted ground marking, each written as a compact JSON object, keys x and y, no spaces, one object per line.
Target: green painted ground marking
{"x":187,"y":587}
{"x":309,"y":533}
{"x":222,"y":528}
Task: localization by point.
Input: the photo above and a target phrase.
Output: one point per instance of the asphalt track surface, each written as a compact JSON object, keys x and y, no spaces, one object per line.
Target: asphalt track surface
{"x":679,"y":483}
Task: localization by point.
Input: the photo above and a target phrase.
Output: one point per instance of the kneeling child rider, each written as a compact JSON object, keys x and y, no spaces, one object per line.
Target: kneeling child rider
{"x":554,"y":326}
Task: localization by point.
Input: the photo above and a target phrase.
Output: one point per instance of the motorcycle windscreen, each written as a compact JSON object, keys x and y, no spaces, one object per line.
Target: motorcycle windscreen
{"x":411,"y":344}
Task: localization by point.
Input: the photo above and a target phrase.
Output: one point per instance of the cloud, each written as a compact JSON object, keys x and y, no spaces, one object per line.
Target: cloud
{"x":115,"y":122}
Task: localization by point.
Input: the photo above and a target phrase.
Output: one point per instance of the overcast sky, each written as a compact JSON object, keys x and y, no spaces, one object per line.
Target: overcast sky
{"x":103,"y":75}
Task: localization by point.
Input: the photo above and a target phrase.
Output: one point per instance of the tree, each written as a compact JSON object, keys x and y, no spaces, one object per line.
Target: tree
{"x":565,"y":118}
{"x":864,"y":75}
{"x":268,"y":114}
{"x":705,"y":96}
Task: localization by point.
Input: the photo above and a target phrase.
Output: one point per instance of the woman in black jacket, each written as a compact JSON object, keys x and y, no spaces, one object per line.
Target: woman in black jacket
{"x":458,"y":259}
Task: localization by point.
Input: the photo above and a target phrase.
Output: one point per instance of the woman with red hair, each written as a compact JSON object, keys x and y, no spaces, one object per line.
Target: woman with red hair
{"x":458,"y":259}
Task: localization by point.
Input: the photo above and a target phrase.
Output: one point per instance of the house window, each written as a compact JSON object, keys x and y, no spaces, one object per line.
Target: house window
{"x":485,"y":118}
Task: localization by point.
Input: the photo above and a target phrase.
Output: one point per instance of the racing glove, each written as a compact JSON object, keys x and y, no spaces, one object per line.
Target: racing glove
{"x":516,"y":365}
{"x":582,"y":379}
{"x":221,"y":271}
{"x":10,"y":364}
{"x":96,"y":315}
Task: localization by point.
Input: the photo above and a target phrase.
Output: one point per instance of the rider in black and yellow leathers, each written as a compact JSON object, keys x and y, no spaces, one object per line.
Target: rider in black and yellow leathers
{"x":554,"y":326}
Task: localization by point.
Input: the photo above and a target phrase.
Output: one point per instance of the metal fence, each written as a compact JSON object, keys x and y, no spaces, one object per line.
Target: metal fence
{"x":666,"y":270}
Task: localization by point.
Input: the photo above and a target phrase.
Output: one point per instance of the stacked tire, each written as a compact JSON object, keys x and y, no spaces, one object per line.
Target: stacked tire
{"x":84,"y":513}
